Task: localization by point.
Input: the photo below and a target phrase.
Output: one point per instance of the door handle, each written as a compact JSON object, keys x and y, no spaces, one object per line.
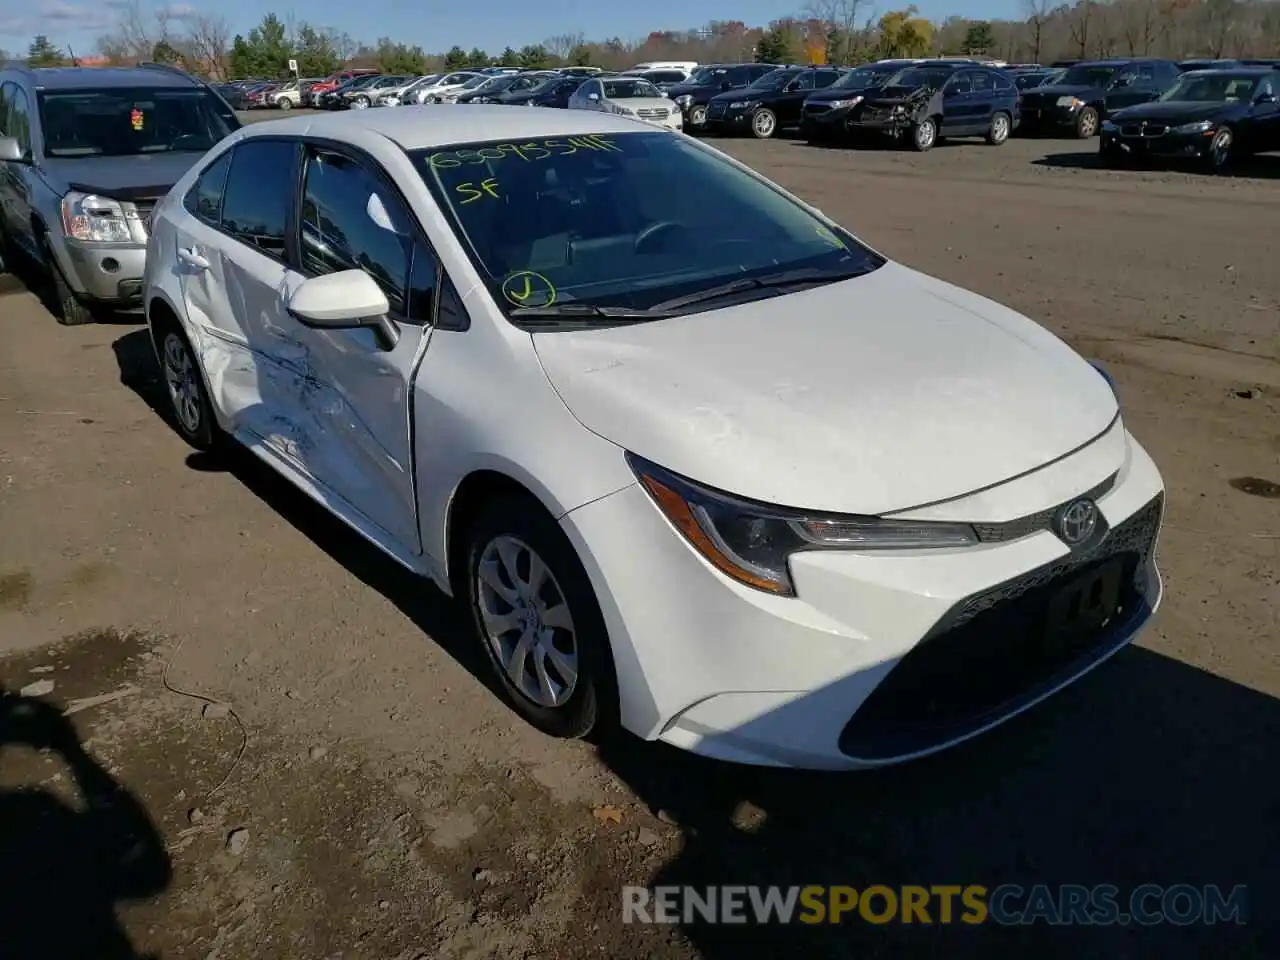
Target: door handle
{"x":193,"y":258}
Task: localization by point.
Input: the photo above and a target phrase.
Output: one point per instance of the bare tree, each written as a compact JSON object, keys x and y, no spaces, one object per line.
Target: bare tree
{"x":850,"y":19}
{"x":1037,"y":12}
{"x":1080,"y":24}
{"x":1219,"y":19}
{"x":561,"y":45}
{"x":208,"y":42}
{"x":1139,"y":25}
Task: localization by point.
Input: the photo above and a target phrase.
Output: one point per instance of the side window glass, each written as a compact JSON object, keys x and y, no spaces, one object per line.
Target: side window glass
{"x":826,"y":78}
{"x":981,"y":82}
{"x":255,"y":203}
{"x":6,"y":91}
{"x":423,"y":275}
{"x":806,"y":80}
{"x":1146,"y":73}
{"x":961,"y":83}
{"x":204,"y":199}
{"x":350,"y":221}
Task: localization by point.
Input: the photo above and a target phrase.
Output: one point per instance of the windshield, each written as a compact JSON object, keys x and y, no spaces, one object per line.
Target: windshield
{"x":707,"y":74}
{"x":626,"y":221}
{"x":1213,"y":88}
{"x":492,"y":84}
{"x":359,"y":83}
{"x":127,"y":122}
{"x":920,"y":77}
{"x":475,"y":82}
{"x":860,"y":79}
{"x":774,"y":79}
{"x":1086,"y":76}
{"x":630,"y":89}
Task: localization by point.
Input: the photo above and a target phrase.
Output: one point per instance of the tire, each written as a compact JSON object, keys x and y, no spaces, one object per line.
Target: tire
{"x":577,"y":664}
{"x":1086,"y":123}
{"x":285,"y":103}
{"x":360,"y":103}
{"x":190,"y":409}
{"x":1001,"y":128}
{"x":764,"y":124}
{"x":924,"y":135}
{"x":698,"y":116}
{"x":69,"y":310}
{"x":1222,"y":150}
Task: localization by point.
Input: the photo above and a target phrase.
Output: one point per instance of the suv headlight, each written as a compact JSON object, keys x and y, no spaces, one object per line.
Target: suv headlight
{"x":841,"y":104}
{"x":94,"y":219}
{"x":753,"y":542}
{"x":684,"y":101}
{"x":1200,"y":126}
{"x":1074,"y":103}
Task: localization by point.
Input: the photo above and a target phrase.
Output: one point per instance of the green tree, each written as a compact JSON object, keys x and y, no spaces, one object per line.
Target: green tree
{"x":265,"y":52}
{"x":165,"y":52}
{"x":903,"y":34}
{"x":580,"y":56}
{"x":535,"y":57}
{"x":394,"y":57}
{"x":455,"y":59}
{"x":837,"y":46}
{"x":42,"y":53}
{"x":509,"y":58}
{"x":979,"y":38}
{"x":477,"y":58}
{"x":774,"y":47}
{"x":317,"y":52}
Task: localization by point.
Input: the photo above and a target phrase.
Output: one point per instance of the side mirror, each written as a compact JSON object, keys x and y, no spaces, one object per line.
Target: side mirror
{"x":593,"y":97}
{"x":344,"y":301}
{"x":11,"y":151}
{"x":1261,"y":98}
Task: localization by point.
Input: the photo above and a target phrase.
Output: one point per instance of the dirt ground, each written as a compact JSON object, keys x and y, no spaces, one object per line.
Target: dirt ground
{"x":292,"y":757}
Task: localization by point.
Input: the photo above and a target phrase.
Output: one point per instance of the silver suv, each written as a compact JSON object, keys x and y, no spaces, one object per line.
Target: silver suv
{"x":84,"y":157}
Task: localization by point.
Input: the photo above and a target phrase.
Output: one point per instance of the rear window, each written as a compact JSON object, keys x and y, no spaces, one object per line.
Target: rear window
{"x":132,"y":122}
{"x":629,"y":220}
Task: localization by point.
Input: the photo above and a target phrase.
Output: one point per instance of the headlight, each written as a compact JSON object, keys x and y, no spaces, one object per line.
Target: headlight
{"x":684,"y":101}
{"x":1200,"y":126}
{"x":743,"y":104}
{"x":898,"y":111}
{"x":1073,"y":103}
{"x":752,"y":542}
{"x":95,"y":219}
{"x":841,"y":104}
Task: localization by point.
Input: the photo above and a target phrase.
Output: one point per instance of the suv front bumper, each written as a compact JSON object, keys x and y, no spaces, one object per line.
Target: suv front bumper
{"x":106,"y":273}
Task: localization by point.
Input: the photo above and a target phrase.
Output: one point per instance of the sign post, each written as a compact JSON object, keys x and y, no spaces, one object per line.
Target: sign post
{"x":293,"y":68}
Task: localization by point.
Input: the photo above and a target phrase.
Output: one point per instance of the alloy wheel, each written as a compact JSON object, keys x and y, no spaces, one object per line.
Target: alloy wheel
{"x":184,"y":389}
{"x":1000,"y":128}
{"x":764,"y":123}
{"x":697,"y":116}
{"x":528,"y":627}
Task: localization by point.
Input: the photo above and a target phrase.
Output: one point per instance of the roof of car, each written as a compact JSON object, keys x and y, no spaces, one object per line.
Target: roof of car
{"x":1234,"y":71}
{"x":78,"y":78}
{"x":438,"y":125}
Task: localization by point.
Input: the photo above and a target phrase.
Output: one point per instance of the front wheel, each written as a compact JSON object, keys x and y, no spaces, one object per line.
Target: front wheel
{"x":537,"y":618}
{"x":1001,"y":126}
{"x":698,"y":116}
{"x":1222,"y":150}
{"x":764,"y":124}
{"x":1087,"y":123}
{"x":924,"y":135}
{"x":285,"y":103}
{"x":360,"y":103}
{"x":71,"y":311}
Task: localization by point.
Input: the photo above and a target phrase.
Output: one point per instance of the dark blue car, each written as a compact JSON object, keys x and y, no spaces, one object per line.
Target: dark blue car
{"x":940,"y":99}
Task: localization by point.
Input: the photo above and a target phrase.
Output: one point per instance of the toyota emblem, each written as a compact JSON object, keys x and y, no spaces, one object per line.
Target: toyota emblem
{"x":1077,"y":521}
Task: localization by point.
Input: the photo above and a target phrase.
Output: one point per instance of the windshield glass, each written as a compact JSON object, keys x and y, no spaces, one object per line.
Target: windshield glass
{"x":774,"y":79}
{"x":476,"y":82}
{"x":127,"y":122}
{"x":920,"y":77}
{"x":630,"y":89}
{"x":860,"y":79}
{"x":630,"y":220}
{"x":707,"y":74}
{"x":1213,"y":88}
{"x":1086,"y":76}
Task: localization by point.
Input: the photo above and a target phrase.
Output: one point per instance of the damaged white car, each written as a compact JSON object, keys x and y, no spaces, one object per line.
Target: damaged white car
{"x":698,"y":460}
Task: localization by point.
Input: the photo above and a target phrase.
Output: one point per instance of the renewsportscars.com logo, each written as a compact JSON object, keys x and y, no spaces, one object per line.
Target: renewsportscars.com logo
{"x":1006,"y":905}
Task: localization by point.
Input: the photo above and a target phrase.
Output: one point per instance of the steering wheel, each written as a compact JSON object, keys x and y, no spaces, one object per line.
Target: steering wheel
{"x":661,"y":229}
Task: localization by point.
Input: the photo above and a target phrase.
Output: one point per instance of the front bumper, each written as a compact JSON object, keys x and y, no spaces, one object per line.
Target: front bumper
{"x":724,"y":120}
{"x":1137,"y":142}
{"x":106,"y":273}
{"x":880,"y":658}
{"x":824,"y":121}
{"x":1039,"y":118}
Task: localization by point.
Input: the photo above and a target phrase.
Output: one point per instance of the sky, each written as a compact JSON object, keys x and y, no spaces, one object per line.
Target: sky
{"x":78,"y":23}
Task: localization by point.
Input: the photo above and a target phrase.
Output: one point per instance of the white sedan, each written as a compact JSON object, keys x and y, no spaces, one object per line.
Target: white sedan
{"x":628,"y":97}
{"x":696,"y":459}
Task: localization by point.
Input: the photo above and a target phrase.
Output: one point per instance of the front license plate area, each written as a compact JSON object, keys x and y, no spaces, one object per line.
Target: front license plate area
{"x":1085,"y":606}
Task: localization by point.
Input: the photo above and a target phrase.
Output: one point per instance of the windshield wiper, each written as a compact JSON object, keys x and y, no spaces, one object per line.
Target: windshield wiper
{"x":784,"y":279}
{"x":585,"y":314}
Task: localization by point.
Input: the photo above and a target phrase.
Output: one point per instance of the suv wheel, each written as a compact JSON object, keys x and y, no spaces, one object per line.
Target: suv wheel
{"x":284,"y":103}
{"x":1087,"y":123}
{"x":764,"y":124}
{"x":698,"y":116}
{"x":69,"y":310}
{"x":924,"y":134}
{"x":1000,"y":127}
{"x":360,"y":103}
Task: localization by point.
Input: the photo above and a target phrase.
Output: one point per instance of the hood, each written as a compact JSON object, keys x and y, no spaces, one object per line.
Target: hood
{"x":897,"y":94}
{"x":871,"y":396}
{"x":1178,"y":111}
{"x":680,"y":89}
{"x":146,"y":176}
{"x":744,"y":93}
{"x":1054,"y":90}
{"x":843,"y":93}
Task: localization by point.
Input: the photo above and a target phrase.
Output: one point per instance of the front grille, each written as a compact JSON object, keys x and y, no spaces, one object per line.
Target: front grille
{"x":1034,"y":523}
{"x":996,"y":651}
{"x":816,"y":107}
{"x":715,"y":111}
{"x":651,"y":113}
{"x":1143,"y":130}
{"x":143,"y":209}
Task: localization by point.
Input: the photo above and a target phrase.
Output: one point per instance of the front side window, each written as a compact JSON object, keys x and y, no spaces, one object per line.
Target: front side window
{"x":1213,"y":88}
{"x":627,"y":221}
{"x":980,"y":81}
{"x":132,"y":122}
{"x":255,"y":202}
{"x":1087,"y":76}
{"x":350,"y":221}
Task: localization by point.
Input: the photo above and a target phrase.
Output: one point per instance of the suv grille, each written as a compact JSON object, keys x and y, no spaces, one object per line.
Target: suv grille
{"x":997,"y":651}
{"x":1143,"y":130}
{"x":715,"y":111}
{"x":652,"y":113}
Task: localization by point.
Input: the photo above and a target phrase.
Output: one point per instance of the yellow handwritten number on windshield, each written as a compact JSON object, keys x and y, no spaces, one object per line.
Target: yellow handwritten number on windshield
{"x":526,"y":288}
{"x":830,"y":237}
{"x":487,"y":187}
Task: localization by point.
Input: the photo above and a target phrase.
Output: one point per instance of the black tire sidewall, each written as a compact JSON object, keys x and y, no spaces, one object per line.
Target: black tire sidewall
{"x":592,"y":708}
{"x":206,"y":437}
{"x":70,"y":311}
{"x":1087,"y":111}
{"x":1219,"y":162}
{"x":698,"y":116}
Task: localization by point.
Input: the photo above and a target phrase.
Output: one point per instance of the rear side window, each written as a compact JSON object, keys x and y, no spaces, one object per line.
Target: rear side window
{"x":1002,"y":82}
{"x":255,"y":203}
{"x":204,"y":200}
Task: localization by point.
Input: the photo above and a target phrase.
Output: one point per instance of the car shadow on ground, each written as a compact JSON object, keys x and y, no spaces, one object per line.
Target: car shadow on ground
{"x":18,"y":274}
{"x":418,"y":599}
{"x":1260,"y":167}
{"x":65,"y":867}
{"x":1148,"y":771}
